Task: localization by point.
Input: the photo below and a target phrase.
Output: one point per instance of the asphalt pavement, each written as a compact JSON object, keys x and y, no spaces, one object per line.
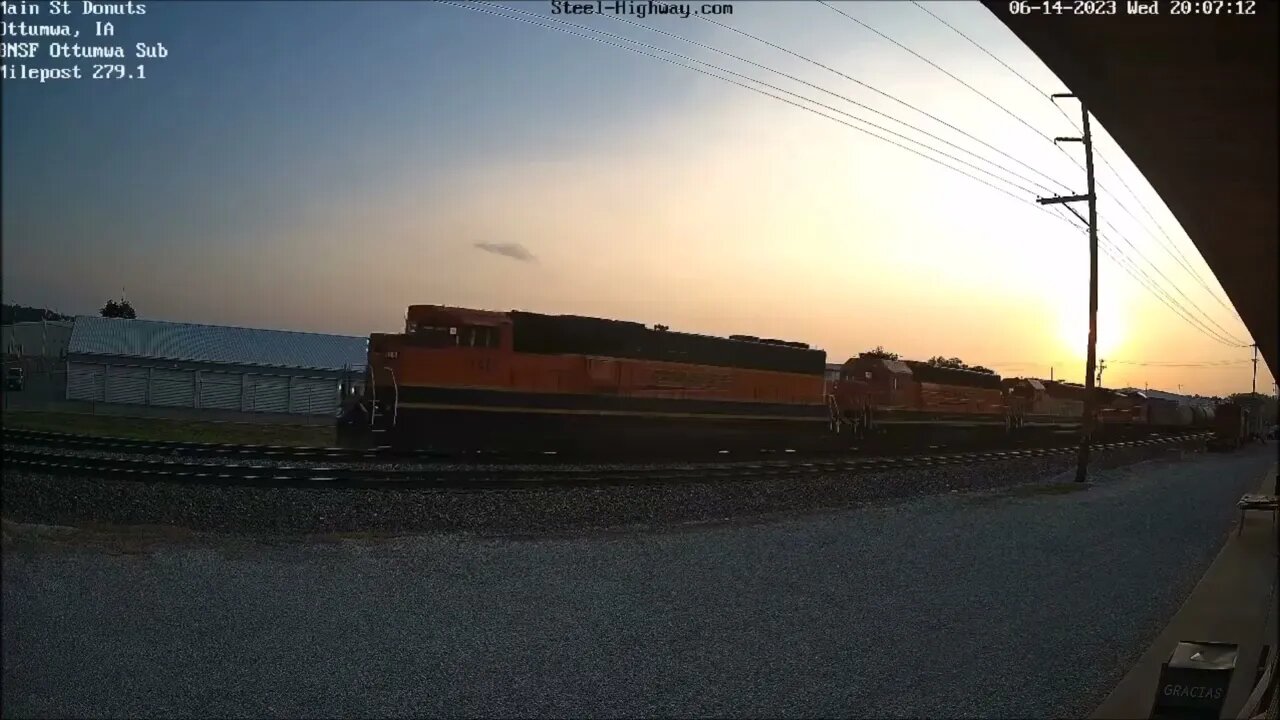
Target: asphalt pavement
{"x":1021,"y":602}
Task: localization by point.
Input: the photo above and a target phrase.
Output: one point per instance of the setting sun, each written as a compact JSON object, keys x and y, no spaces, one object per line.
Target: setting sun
{"x":1073,"y":330}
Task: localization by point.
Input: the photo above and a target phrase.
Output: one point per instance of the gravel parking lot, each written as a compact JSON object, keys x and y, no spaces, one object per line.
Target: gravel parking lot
{"x":1024,"y":601}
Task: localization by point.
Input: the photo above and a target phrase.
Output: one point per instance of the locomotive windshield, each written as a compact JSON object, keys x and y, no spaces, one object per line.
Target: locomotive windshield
{"x":440,"y":336}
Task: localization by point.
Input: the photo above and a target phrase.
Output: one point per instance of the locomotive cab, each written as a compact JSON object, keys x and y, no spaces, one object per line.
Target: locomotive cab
{"x":1022,"y":397}
{"x":866,"y":384}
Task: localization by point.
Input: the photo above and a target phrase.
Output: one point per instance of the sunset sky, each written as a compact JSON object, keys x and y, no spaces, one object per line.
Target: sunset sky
{"x":321,"y":166}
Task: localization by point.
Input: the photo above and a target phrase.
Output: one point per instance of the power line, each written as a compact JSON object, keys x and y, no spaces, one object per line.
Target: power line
{"x":993,"y":57}
{"x":776,"y":72}
{"x":944,"y":71}
{"x":874,"y":89}
{"x":1224,"y":333}
{"x":1171,"y":248}
{"x":975,"y":90}
{"x":1170,"y":364}
{"x":802,"y":107}
{"x":1127,"y":264}
{"x":1020,"y":199}
{"x":1123,"y":260}
{"x":1185,"y":264}
{"x":1133,"y":271}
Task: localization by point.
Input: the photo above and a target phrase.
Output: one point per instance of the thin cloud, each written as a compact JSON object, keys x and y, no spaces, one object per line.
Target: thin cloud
{"x":515,"y":251}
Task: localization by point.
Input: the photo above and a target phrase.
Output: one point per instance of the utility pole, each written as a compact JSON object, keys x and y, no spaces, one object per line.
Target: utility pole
{"x":1102,"y":365}
{"x":1086,"y":435}
{"x":1255,"y":369}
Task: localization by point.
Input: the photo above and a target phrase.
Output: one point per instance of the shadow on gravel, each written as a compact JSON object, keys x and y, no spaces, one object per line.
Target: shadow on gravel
{"x":1036,"y":490}
{"x":100,"y":537}
{"x":142,"y":540}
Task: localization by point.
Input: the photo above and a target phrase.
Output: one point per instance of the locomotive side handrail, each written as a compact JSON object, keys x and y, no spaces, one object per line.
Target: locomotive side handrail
{"x":373,"y":397}
{"x":395,"y":396}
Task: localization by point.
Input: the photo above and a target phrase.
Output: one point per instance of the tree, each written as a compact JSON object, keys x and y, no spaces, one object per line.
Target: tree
{"x":880,"y":352}
{"x":956,"y":363}
{"x":10,"y":314}
{"x":121,"y":309}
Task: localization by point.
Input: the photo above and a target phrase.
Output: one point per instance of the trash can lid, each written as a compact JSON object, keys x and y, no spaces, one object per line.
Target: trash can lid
{"x":1205,"y":655}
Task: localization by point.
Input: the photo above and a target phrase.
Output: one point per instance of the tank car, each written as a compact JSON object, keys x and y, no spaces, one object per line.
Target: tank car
{"x":1230,"y":427}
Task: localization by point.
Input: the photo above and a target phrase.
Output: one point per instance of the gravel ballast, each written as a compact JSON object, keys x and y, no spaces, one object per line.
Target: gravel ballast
{"x":59,"y":500}
{"x":1026,"y":601}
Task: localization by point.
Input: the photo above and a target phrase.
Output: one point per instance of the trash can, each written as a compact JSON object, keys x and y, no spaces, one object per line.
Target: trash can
{"x":1193,"y":684}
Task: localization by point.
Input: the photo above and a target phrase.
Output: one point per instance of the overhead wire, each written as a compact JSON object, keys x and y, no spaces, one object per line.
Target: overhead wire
{"x":943,"y":70}
{"x":1226,"y":336}
{"x":1023,"y":200}
{"x":1169,"y":364}
{"x":882,"y":93}
{"x":1222,"y":332}
{"x":768,"y":69}
{"x":1171,"y":248}
{"x":1117,"y":255}
{"x":1018,"y":198}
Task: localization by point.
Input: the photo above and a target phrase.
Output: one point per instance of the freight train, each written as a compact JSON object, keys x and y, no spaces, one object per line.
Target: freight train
{"x":463,"y":379}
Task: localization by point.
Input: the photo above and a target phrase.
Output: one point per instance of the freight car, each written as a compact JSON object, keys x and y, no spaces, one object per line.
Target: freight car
{"x":458,"y":378}
{"x":1231,"y":426}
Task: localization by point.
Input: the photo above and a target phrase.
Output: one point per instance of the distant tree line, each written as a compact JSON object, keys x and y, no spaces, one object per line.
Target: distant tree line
{"x":958,"y":364}
{"x":936,"y":361}
{"x":880,"y":352}
{"x":10,"y":314}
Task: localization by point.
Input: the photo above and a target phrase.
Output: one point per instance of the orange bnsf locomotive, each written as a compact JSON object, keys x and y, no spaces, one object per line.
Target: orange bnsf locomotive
{"x":472,"y":379}
{"x":878,"y":397}
{"x":460,"y":379}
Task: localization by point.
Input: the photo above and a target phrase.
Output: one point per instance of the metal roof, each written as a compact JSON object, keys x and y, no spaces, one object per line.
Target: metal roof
{"x":1173,"y":397}
{"x":154,"y":339}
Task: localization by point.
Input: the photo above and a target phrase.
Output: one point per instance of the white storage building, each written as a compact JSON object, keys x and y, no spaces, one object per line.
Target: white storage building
{"x":147,"y":362}
{"x":43,"y":343}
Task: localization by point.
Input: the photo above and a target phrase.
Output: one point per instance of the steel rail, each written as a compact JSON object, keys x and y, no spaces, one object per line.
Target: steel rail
{"x":242,"y":474}
{"x":388,"y":454}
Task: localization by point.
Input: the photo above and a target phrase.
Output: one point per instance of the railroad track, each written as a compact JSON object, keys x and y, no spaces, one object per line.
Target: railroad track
{"x":291,"y":452}
{"x":474,"y":478}
{"x":387,"y":454}
{"x":169,"y":447}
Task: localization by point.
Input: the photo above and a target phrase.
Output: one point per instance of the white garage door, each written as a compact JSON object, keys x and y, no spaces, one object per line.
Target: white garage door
{"x":220,"y":391}
{"x":126,"y":385}
{"x":85,"y":382}
{"x":265,"y":393}
{"x":313,"y":396}
{"x":175,"y":388}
